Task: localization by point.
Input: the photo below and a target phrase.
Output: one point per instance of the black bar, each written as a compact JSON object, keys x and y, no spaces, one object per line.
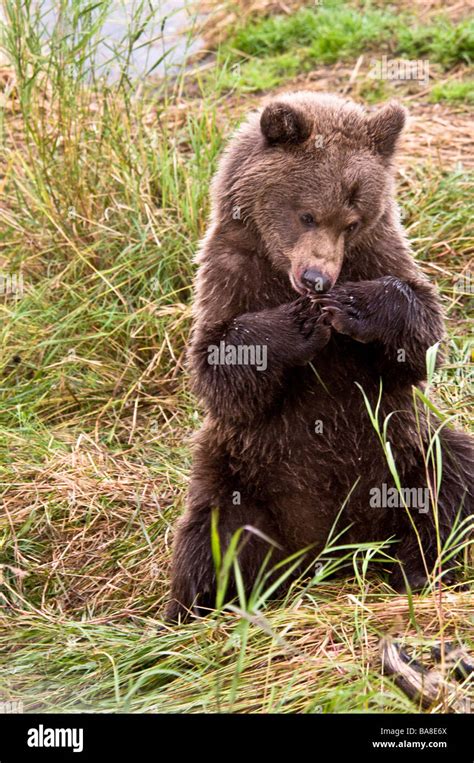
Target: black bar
{"x":421,"y":737}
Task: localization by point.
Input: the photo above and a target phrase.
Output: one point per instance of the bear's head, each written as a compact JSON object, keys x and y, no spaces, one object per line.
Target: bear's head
{"x":311,"y":176}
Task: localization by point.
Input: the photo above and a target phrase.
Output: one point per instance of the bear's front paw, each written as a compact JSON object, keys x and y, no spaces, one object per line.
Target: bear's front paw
{"x":313,"y":330}
{"x":351,"y":310}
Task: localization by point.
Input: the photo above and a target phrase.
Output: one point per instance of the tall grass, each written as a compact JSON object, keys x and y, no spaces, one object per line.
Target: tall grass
{"x":110,"y":199}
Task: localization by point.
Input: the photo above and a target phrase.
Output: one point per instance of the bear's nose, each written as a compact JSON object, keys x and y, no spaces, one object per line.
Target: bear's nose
{"x":316,"y":281}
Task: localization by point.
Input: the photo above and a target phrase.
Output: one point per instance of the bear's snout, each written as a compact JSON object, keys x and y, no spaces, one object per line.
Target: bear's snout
{"x":316,"y":281}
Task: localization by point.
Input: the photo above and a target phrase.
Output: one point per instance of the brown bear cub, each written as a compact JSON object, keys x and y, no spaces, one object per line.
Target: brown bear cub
{"x":307,"y":294}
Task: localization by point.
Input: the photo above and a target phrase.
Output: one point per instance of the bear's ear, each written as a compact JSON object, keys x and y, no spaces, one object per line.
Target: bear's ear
{"x":385,"y":126}
{"x":282,"y":123}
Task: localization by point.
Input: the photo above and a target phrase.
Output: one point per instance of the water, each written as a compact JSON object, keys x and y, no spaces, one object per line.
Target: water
{"x":167,"y":36}
{"x":166,"y":43}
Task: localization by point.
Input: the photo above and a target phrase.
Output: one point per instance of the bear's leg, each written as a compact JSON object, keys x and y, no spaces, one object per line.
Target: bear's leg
{"x":193,"y":577}
{"x":410,"y":570}
{"x":454,"y":503}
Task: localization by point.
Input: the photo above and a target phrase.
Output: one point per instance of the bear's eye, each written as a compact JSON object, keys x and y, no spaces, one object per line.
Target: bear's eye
{"x":308,"y":219}
{"x":352,"y":227}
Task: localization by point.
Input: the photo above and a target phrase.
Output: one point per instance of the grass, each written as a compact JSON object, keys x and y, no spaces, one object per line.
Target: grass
{"x":454,"y":92}
{"x":333,"y":32}
{"x":329,"y":32}
{"x":308,"y":659}
{"x":104,"y":198}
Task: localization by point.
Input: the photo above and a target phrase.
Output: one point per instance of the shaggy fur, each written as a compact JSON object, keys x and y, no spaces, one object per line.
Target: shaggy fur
{"x":305,"y":256}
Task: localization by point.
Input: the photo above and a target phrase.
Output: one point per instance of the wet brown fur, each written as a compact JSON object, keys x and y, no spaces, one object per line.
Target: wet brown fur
{"x":307,"y":153}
